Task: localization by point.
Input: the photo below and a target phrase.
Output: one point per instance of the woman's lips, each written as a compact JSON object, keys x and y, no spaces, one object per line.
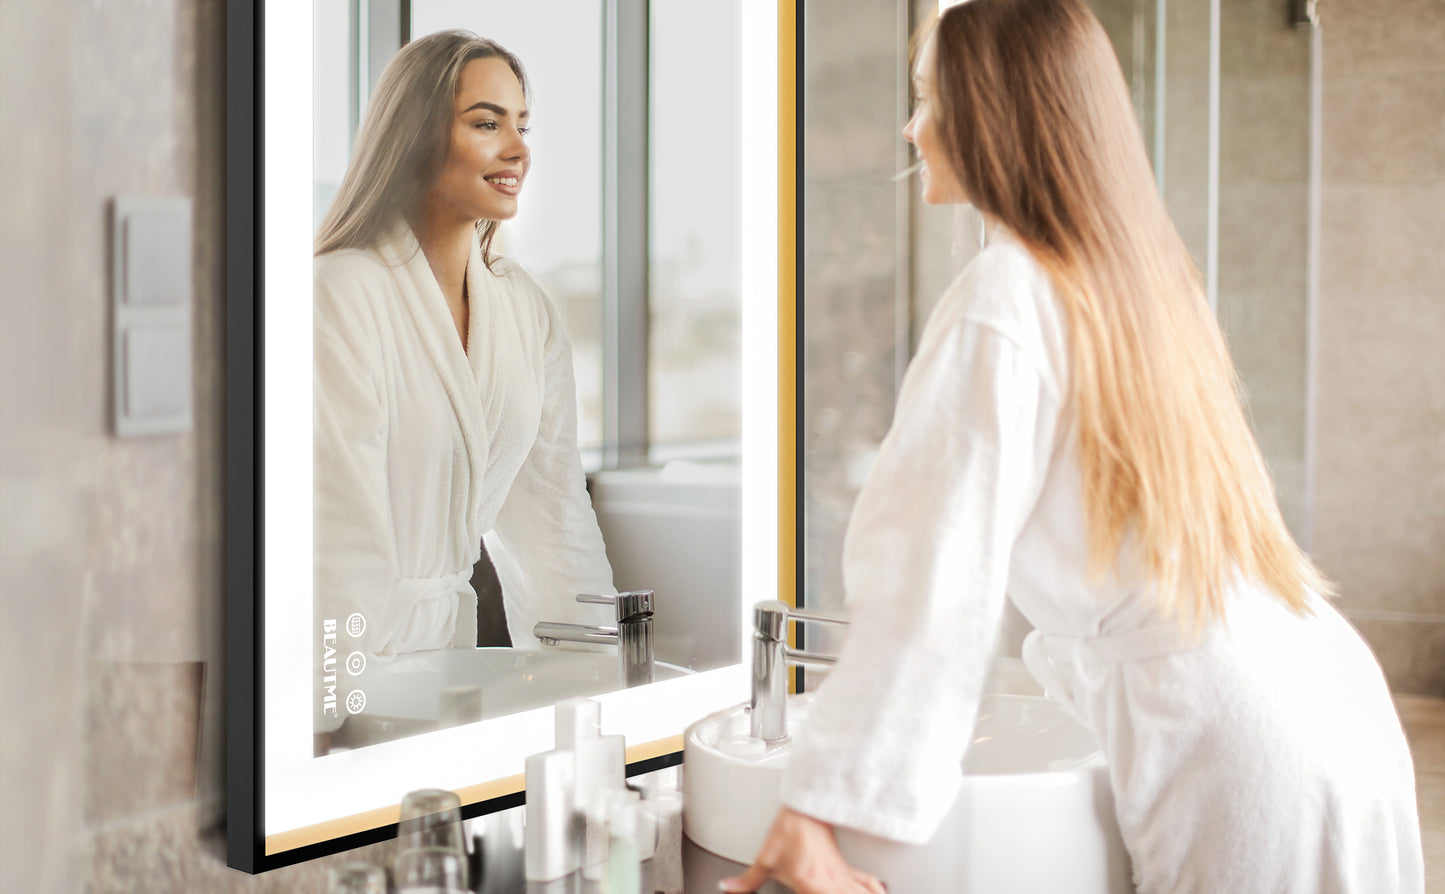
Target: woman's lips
{"x":508,"y":185}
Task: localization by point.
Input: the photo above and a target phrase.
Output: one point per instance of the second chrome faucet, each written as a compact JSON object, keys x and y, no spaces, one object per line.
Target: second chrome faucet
{"x":771,"y":658}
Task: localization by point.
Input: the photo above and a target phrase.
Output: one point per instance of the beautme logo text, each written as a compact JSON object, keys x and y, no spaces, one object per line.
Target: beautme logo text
{"x":328,"y":667}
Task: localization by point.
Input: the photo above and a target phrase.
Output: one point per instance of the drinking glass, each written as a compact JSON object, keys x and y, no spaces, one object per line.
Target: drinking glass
{"x":431,"y":817}
{"x":431,"y":870}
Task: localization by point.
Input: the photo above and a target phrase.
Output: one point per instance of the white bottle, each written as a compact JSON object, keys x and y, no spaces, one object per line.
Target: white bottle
{"x":567,"y":794}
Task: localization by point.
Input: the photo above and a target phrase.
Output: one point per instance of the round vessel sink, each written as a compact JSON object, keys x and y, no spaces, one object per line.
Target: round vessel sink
{"x":1034,"y":813}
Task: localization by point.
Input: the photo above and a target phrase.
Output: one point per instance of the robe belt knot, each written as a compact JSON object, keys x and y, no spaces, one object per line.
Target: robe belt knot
{"x":1068,"y":666}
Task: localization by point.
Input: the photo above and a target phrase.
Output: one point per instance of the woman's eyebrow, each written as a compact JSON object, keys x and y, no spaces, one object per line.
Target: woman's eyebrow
{"x":493,"y":107}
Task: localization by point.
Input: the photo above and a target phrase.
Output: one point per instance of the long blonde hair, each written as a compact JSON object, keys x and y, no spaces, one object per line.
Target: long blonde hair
{"x":401,"y":145}
{"x":1042,"y":134}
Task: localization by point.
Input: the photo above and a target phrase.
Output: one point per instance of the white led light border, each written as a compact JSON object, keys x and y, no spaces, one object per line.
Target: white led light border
{"x":301,"y":791}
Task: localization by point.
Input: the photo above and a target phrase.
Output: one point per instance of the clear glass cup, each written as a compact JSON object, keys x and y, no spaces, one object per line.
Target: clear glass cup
{"x":431,"y":817}
{"x":357,"y":878}
{"x":431,"y":870}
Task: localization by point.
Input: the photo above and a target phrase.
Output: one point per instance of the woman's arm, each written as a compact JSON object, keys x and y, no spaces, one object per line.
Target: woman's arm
{"x":925,"y":564}
{"x":926,"y":561}
{"x":551,"y":547}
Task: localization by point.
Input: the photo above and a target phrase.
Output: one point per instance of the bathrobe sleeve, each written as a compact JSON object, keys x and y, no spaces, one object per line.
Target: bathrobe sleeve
{"x":355,"y":551}
{"x":551,"y":547}
{"x":926,"y":560}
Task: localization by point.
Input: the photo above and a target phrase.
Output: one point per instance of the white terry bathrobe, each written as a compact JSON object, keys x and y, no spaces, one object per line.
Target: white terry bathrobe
{"x":1264,"y":757}
{"x":423,"y":448}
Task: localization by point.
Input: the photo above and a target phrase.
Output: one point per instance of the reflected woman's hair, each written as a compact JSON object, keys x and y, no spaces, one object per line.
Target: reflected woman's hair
{"x":402,"y":143}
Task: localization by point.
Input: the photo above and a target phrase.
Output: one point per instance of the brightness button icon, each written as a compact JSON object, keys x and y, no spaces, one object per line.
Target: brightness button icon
{"x":356,"y":701}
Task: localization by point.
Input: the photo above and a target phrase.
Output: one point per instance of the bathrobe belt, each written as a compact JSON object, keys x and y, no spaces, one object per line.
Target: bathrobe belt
{"x":1070,"y":666}
{"x":435,"y":612}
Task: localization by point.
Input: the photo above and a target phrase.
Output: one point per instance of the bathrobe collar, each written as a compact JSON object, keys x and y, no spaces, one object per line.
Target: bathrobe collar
{"x":457,"y":369}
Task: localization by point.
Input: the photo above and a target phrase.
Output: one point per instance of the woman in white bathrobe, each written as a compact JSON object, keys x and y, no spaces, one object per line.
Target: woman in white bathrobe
{"x":445,"y":410}
{"x":1069,"y":435}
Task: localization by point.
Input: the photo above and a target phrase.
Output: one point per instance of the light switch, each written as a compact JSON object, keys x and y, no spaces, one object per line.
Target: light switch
{"x":151,"y":315}
{"x":157,"y":372}
{"x":157,"y":253}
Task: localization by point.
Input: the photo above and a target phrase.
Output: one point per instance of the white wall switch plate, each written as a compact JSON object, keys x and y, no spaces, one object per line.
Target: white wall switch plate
{"x":151,"y":293}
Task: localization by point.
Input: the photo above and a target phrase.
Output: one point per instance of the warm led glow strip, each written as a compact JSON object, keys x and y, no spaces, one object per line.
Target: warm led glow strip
{"x":471,"y":794}
{"x":787,"y":310}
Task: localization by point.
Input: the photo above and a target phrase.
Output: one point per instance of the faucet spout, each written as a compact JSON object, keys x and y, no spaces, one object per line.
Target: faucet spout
{"x":632,"y":634}
{"x":552,"y":634}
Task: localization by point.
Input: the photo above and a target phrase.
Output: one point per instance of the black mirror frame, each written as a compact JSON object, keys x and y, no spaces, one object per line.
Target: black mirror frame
{"x":243,"y":430}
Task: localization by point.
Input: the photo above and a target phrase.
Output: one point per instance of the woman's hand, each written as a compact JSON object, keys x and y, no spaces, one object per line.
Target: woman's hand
{"x":802,"y":853}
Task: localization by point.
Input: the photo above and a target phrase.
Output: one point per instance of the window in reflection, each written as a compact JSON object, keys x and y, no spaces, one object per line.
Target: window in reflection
{"x":695,"y":231}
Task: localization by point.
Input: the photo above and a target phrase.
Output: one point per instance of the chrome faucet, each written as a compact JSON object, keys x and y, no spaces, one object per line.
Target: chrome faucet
{"x":771,"y":657}
{"x":632,"y":635}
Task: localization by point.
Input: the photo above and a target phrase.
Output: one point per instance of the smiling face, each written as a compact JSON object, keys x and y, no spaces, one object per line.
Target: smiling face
{"x":940,"y":182}
{"x":487,"y":156}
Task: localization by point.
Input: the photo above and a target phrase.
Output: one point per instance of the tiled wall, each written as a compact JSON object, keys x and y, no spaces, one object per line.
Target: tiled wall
{"x":110,"y":580}
{"x":1379,"y":484}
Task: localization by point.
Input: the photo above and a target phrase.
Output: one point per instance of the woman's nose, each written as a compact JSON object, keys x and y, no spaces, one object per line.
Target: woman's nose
{"x":909,"y":127}
{"x":519,"y":149}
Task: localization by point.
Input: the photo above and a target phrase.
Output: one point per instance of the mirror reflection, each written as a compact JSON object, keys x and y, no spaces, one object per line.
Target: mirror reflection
{"x":483,"y":299}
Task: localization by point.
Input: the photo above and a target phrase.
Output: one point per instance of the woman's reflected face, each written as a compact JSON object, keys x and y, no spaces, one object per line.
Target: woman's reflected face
{"x":940,"y":182}
{"x":487,"y":157}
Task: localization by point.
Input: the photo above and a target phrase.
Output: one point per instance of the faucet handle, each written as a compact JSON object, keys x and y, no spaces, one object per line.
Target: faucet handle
{"x":771,"y":616}
{"x":629,"y":604}
{"x":796,"y":615}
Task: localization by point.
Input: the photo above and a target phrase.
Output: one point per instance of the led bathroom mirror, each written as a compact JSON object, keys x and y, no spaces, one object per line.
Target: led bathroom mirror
{"x":647,"y":212}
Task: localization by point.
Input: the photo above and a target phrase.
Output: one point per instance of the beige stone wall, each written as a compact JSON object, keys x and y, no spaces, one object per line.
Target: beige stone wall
{"x":111,"y":674}
{"x":1379,"y":484}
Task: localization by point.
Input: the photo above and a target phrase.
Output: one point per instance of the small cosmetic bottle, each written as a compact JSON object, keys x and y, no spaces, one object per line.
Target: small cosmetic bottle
{"x":551,"y":843}
{"x":624,"y":852}
{"x":568,"y":792}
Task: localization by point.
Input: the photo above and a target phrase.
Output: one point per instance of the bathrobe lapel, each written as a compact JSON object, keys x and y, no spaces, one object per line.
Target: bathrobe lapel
{"x":423,"y":299}
{"x":487,"y":355}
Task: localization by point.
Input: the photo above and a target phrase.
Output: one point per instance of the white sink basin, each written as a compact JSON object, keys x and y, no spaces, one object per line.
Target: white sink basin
{"x":1035,"y":812}
{"x":410,"y":690}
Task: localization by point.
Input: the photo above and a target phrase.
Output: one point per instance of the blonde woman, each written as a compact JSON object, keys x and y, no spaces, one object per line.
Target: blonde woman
{"x":445,"y":409}
{"x":1069,"y":434}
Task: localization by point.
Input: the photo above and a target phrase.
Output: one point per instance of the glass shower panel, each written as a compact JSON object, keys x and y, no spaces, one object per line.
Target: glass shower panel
{"x":1259,"y":224}
{"x":1264,"y":184}
{"x":854,"y":257}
